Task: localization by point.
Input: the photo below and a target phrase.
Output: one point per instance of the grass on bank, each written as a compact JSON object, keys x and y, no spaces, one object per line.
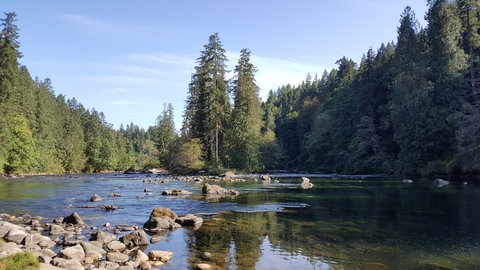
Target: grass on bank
{"x":24,"y":261}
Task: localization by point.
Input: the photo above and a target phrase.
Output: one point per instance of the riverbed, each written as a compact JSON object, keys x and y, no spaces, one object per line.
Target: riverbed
{"x":354,"y":223}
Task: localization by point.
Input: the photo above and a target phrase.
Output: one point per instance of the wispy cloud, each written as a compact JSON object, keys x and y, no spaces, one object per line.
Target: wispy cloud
{"x":98,"y":24}
{"x":115,"y":90}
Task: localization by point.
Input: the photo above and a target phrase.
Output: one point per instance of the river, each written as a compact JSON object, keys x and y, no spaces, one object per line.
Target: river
{"x":368,"y":223}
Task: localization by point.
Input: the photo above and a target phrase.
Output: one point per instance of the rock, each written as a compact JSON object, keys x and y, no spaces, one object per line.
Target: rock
{"x":157,"y":263}
{"x":106,"y":265}
{"x":155,"y":239}
{"x":32,"y":247}
{"x":71,"y":264}
{"x":136,"y":238}
{"x":217,"y":190}
{"x":189,"y":220}
{"x":266,"y":178}
{"x":158,"y":255}
{"x":47,"y":252}
{"x":407,"y":181}
{"x":163,"y":212}
{"x":5,"y":227}
{"x":74,"y":218}
{"x":126,"y":267}
{"x":228,"y":174}
{"x":58,"y":220}
{"x":114,"y":195}
{"x":306,"y":183}
{"x":15,"y":236}
{"x":102,"y":237}
{"x":117,"y":257}
{"x":90,"y":248}
{"x":47,"y":243}
{"x":160,"y":223}
{"x":176,"y":192}
{"x":207,"y":255}
{"x":147,"y":190}
{"x":34,"y":238}
{"x":75,"y":252}
{"x":47,"y":266}
{"x":9,"y":249}
{"x":140,"y":257}
{"x":202,"y":266}
{"x":95,"y":198}
{"x":55,"y":229}
{"x":145,"y":266}
{"x":116,"y":246}
{"x":440,"y":182}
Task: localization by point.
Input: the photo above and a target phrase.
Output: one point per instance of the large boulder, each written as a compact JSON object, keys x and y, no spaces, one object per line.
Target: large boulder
{"x":306,"y":183}
{"x":266,"y":178}
{"x":163,"y":212}
{"x":35,"y":238}
{"x":74,"y":218}
{"x":7,"y":226}
{"x":116,"y":246}
{"x":160,"y":223}
{"x":136,"y":238}
{"x":9,"y":249}
{"x":217,"y":190}
{"x":95,"y":198}
{"x":75,"y":252}
{"x":228,"y":174}
{"x":103,"y":237}
{"x":176,"y":192}
{"x":117,"y":257}
{"x":15,"y":236}
{"x":158,"y":255}
{"x":90,"y":248}
{"x":189,"y":220}
{"x":55,"y":229}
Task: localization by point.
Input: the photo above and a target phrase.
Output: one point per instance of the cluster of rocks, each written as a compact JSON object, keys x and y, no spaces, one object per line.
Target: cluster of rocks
{"x":165,"y":219}
{"x":155,"y":181}
{"x":176,"y":192}
{"x":217,"y":190}
{"x":101,"y":251}
{"x":201,"y":179}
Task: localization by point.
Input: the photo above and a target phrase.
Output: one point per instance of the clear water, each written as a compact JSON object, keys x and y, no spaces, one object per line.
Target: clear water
{"x":338,"y":224}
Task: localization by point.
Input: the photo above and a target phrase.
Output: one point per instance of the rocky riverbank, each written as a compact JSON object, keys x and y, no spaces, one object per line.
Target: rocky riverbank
{"x":69,"y":243}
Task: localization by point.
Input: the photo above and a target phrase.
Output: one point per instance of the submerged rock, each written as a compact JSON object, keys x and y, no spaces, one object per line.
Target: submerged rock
{"x":160,"y":223}
{"x":306,"y":183}
{"x":189,"y":220}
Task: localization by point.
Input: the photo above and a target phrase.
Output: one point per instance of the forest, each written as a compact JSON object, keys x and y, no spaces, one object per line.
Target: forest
{"x":410,"y":107}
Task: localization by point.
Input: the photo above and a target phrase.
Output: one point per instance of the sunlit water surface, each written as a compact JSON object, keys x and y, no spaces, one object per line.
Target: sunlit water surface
{"x":338,"y":224}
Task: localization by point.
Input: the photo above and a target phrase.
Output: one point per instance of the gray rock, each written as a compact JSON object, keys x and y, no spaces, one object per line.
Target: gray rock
{"x":75,"y":252}
{"x":160,"y":223}
{"x":108,"y":265}
{"x":139,"y":257}
{"x":90,"y":248}
{"x":158,"y":255}
{"x":440,"y":182}
{"x":116,"y":246}
{"x":189,"y":220}
{"x":95,"y":198}
{"x":126,"y":267}
{"x":74,"y":218}
{"x":72,"y":264}
{"x":47,"y":252}
{"x":35,"y":238}
{"x":9,"y":249}
{"x":163,"y":212}
{"x":266,"y":178}
{"x":145,"y":266}
{"x":103,"y":237}
{"x":58,"y":220}
{"x":217,"y":190}
{"x":47,"y":243}
{"x":117,"y":257}
{"x":47,"y":266}
{"x":147,"y":190}
{"x":136,"y":238}
{"x":176,"y":192}
{"x":15,"y":236}
{"x":7,"y":226}
{"x":56,"y":229}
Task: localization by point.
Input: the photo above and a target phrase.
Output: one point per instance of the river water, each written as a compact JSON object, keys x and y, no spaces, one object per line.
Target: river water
{"x":339,"y":224}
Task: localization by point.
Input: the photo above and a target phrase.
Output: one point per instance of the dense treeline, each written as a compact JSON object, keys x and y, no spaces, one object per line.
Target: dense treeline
{"x":41,"y":132}
{"x":409,"y":107}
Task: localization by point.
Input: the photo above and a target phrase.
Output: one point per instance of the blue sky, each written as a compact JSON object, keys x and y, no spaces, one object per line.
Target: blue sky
{"x":128,"y":58}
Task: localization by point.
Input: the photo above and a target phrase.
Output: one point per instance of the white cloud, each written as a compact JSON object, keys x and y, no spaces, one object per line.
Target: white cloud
{"x":98,"y":24}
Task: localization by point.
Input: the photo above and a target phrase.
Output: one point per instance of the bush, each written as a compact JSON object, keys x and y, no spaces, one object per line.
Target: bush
{"x":185,"y":157}
{"x":24,"y":261}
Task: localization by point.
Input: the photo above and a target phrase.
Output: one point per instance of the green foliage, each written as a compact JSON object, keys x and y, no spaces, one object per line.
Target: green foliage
{"x":186,"y":156}
{"x":22,"y":157}
{"x":148,"y":158}
{"x":164,"y":132}
{"x":23,"y":260}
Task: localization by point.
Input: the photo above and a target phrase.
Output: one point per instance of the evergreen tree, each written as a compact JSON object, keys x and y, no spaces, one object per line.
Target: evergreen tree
{"x":165,"y":133}
{"x":22,"y":157}
{"x":246,"y":120}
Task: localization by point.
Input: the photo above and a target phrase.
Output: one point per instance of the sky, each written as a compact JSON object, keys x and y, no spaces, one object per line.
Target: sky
{"x":128,"y":58}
